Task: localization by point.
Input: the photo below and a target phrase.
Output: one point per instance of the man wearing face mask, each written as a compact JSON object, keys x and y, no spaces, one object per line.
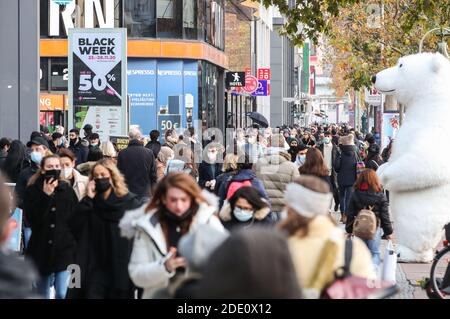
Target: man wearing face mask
{"x":39,"y":149}
{"x":211,"y":167}
{"x":57,"y":142}
{"x":77,"y":147}
{"x":48,"y":205}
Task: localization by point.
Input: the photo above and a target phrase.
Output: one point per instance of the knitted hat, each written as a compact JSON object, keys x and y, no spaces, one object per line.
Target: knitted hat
{"x":347,"y":140}
{"x":306,"y":202}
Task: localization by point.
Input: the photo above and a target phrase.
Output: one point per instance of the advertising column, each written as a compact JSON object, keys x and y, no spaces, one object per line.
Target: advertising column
{"x":97,"y":80}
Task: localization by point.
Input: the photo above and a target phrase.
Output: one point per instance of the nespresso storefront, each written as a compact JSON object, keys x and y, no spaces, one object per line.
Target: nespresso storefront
{"x":176,"y":57}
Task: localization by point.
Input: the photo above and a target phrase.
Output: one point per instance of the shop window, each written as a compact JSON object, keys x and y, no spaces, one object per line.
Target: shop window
{"x":169,"y":19}
{"x":201,"y":20}
{"x":215,"y":28}
{"x":190,"y":19}
{"x":43,"y":74}
{"x":140,"y":18}
{"x":59,"y":75}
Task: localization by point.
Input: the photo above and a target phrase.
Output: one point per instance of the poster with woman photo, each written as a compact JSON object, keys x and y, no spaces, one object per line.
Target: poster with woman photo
{"x":390,"y":126}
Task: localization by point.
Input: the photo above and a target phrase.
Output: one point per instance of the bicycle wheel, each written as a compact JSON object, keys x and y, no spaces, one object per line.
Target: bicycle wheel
{"x":440,"y":274}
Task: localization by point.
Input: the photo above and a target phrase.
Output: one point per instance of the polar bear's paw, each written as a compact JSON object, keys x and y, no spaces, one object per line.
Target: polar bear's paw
{"x":407,"y":255}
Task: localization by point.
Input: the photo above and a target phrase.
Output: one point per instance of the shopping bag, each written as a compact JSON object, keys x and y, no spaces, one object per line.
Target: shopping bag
{"x":389,"y":263}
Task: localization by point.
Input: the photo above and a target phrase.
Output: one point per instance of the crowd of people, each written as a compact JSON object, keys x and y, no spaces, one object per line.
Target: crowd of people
{"x":180,"y":217}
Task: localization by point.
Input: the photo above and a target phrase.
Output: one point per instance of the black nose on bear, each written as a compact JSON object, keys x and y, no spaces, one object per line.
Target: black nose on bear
{"x":374,"y":79}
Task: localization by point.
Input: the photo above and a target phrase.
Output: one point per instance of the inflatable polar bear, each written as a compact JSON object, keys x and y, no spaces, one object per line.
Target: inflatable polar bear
{"x":418,"y":172}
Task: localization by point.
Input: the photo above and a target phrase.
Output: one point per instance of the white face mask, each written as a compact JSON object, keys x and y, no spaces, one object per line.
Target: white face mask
{"x":212,"y":157}
{"x":67,"y":172}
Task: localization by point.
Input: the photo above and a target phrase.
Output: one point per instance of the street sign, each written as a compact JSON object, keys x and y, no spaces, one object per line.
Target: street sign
{"x":235,"y":79}
{"x":120,"y":142}
{"x":167,"y":122}
{"x":264,"y":74}
{"x":263,"y":89}
{"x":251,"y":84}
{"x":372,"y":97}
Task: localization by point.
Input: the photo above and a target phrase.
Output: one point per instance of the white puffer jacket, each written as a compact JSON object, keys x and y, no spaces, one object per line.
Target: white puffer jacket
{"x":146,"y":267}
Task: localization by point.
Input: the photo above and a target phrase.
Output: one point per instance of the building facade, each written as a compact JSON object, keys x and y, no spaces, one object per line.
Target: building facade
{"x":176,"y":58}
{"x":284,"y":82}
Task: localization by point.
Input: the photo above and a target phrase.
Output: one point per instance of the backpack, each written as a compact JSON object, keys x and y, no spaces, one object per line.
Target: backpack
{"x":365,"y":224}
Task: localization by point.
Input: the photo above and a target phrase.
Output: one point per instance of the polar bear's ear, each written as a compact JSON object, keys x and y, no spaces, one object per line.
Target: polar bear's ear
{"x":437,"y":62}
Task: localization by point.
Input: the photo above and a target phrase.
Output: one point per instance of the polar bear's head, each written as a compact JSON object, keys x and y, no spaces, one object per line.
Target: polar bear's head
{"x":414,"y":77}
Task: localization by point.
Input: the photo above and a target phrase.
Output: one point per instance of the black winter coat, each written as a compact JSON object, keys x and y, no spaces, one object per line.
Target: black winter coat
{"x":345,"y":166}
{"x":373,"y":162}
{"x":155,"y":147}
{"x":102,"y":253}
{"x":364,"y":199}
{"x":52,"y":245}
{"x":137,"y":164}
{"x":81,"y":152}
{"x":22,"y":182}
{"x":207,"y":172}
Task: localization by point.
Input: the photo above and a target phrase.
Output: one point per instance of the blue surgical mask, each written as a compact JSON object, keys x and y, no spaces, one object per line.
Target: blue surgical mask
{"x":326,"y":140}
{"x":301,"y":159}
{"x":36,"y":157}
{"x":242,"y":215}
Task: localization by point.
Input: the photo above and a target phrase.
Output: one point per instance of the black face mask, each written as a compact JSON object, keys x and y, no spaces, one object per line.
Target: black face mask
{"x":177,"y":218}
{"x":73,"y":141}
{"x":102,"y":184}
{"x":52,"y":174}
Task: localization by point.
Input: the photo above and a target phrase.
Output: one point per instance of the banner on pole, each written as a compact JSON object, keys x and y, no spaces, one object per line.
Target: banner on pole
{"x":98,"y":78}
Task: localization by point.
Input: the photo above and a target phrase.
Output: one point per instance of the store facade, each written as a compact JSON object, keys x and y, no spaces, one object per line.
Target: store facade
{"x":176,"y":59}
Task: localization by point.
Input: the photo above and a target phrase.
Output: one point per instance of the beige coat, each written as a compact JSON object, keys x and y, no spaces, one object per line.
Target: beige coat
{"x":276,"y":170}
{"x":160,"y":169}
{"x":306,"y":251}
{"x":80,"y":184}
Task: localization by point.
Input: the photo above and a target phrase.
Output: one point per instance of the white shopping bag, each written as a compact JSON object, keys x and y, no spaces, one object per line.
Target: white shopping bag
{"x":389,"y":263}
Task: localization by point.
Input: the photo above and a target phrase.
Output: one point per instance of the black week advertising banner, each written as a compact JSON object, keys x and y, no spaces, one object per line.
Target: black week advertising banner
{"x":97,"y":69}
{"x":98,"y":80}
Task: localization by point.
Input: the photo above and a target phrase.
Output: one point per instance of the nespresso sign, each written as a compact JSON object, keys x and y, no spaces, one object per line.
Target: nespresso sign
{"x":75,"y":16}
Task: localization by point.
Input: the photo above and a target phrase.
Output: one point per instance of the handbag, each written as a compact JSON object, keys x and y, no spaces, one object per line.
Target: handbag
{"x":389,"y":263}
{"x":348,"y":286}
{"x":360,"y":166}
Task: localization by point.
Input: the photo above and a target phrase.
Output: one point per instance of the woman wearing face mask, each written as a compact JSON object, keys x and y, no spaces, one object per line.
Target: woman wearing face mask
{"x":301,"y":155}
{"x":246,"y":208}
{"x":71,"y":175}
{"x":177,"y":207}
{"x":102,"y":254}
{"x":48,"y":204}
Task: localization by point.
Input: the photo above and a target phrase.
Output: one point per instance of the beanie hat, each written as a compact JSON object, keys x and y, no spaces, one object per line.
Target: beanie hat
{"x":307,"y":202}
{"x":347,"y":140}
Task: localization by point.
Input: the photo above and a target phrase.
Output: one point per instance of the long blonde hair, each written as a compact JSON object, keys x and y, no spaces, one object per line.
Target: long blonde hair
{"x":118,"y":181}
